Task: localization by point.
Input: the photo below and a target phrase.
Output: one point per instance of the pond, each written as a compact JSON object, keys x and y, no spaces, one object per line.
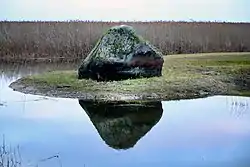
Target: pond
{"x":52,"y":132}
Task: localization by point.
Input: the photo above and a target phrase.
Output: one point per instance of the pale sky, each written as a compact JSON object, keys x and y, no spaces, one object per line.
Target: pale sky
{"x":130,"y":10}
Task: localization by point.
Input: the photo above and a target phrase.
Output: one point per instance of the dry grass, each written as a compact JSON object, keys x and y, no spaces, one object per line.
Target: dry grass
{"x":71,"y":41}
{"x":9,"y":157}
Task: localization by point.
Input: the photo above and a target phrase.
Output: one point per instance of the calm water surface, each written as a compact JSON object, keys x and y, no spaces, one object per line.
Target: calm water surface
{"x":213,"y":131}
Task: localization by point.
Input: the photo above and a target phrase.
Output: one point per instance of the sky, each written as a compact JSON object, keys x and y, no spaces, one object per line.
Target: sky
{"x":126,"y":10}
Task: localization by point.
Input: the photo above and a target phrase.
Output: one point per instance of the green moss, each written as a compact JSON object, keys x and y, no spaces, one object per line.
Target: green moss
{"x":94,"y":50}
{"x":183,"y":77}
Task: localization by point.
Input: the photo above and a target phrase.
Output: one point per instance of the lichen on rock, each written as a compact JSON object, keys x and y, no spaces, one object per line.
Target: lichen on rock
{"x":121,"y":54}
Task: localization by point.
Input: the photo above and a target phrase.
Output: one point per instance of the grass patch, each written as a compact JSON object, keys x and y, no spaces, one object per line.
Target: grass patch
{"x":184,"y":76}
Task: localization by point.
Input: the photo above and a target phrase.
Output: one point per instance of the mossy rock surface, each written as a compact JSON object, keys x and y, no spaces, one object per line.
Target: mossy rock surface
{"x":121,"y":54}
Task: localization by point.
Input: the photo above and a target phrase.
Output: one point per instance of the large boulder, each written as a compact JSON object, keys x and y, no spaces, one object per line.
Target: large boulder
{"x":121,"y":54}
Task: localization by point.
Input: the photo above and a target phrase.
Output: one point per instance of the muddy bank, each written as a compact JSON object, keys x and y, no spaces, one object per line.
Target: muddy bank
{"x":61,"y":92}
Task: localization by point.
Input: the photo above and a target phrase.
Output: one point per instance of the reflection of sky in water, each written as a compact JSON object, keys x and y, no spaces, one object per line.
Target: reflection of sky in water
{"x":204,"y":132}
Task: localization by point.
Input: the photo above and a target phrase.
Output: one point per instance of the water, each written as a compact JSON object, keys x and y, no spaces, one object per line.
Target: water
{"x":53,"y":132}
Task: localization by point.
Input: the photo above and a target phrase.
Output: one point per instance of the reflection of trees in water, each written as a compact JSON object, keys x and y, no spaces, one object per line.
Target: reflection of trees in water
{"x":24,"y":101}
{"x":239,"y":106}
{"x":16,"y":70}
{"x":122,"y":125}
{"x":12,"y":71}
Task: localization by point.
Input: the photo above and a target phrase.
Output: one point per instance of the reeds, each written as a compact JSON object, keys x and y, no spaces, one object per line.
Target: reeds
{"x":9,"y":157}
{"x":73,"y":40}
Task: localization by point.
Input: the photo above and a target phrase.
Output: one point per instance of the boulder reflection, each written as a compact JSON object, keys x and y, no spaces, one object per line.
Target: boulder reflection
{"x":122,"y":125}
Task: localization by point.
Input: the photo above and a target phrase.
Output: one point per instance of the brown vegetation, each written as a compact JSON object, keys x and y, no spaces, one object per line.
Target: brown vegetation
{"x":75,"y":39}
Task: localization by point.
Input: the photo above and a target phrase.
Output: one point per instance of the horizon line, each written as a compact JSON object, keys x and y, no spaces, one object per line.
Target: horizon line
{"x":128,"y":21}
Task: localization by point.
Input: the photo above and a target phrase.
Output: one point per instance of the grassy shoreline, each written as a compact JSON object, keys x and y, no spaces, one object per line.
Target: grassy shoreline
{"x":184,"y":77}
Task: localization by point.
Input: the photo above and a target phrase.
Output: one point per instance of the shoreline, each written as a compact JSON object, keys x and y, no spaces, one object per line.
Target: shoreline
{"x":102,"y":97}
{"x":184,"y":77}
{"x":38,"y":60}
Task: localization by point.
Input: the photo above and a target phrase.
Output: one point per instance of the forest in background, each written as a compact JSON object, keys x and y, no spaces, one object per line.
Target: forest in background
{"x":73,"y":40}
